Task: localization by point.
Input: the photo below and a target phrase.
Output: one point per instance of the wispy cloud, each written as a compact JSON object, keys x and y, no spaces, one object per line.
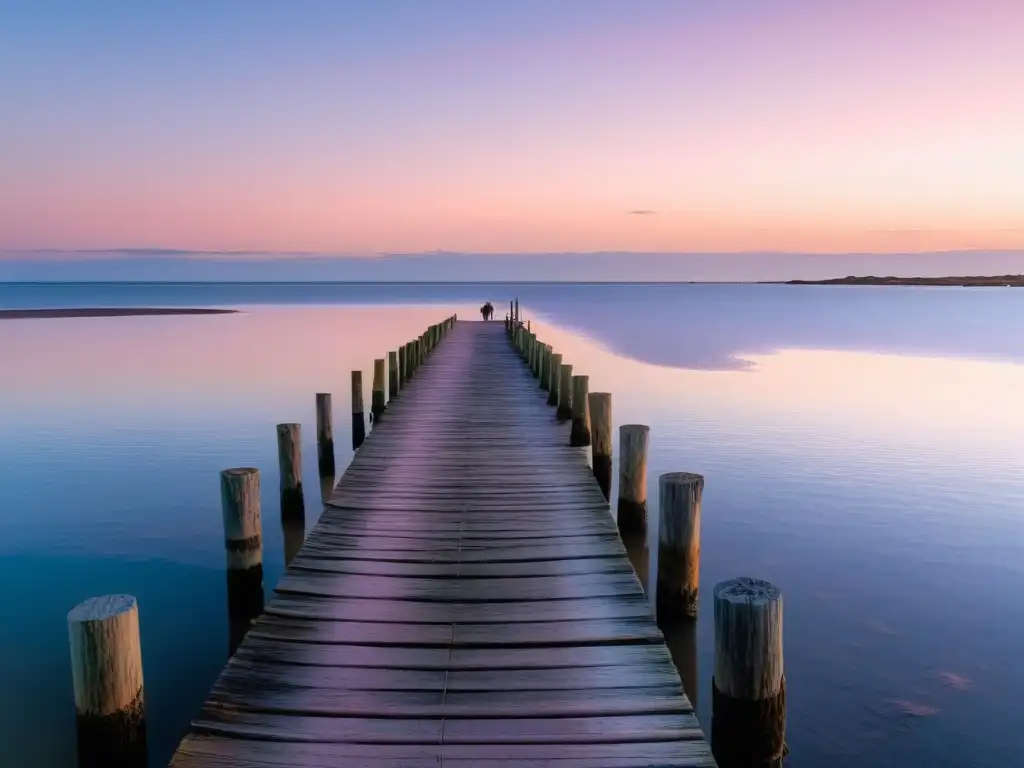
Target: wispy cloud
{"x":643,"y":212}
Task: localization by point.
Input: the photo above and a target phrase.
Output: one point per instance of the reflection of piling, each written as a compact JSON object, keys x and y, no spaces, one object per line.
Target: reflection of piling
{"x":564,"y":412}
{"x":324,"y":434}
{"x":579,"y":435}
{"x":554,"y":378}
{"x":393,"y":387}
{"x":681,"y":639}
{"x":679,"y":497}
{"x":106,"y":669}
{"x":243,"y":539}
{"x":378,"y":398}
{"x":358,"y":416}
{"x":632,"y":507}
{"x":600,"y":406}
{"x":289,"y":460}
{"x":293,"y":530}
{"x":639,"y":557}
{"x":748,"y":726}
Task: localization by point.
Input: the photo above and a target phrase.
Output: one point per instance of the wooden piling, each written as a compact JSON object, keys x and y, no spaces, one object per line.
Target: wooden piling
{"x":545,"y":368}
{"x":564,"y":412}
{"x":679,"y":498}
{"x":289,"y":461}
{"x":600,"y":406}
{"x":579,"y":435}
{"x":358,"y":415}
{"x":748,"y":725}
{"x":106,"y":670}
{"x":634,"y":440}
{"x":393,"y":388}
{"x":402,"y":373}
{"x":378,"y":397}
{"x":243,"y":541}
{"x":554,"y":378}
{"x":325,"y":433}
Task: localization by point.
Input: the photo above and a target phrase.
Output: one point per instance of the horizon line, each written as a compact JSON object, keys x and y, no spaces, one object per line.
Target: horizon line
{"x":486,"y":254}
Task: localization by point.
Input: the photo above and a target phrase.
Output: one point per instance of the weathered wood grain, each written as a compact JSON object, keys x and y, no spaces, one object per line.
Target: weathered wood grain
{"x":464,"y":599}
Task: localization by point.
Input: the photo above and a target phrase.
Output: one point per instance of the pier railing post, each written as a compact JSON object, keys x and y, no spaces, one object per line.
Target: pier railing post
{"x":378,"y":398}
{"x":393,"y":388}
{"x":579,"y":435}
{"x":748,"y":725}
{"x":545,"y":368}
{"x":243,"y":542}
{"x":601,"y":439}
{"x":289,"y":462}
{"x":564,"y":412}
{"x":554,"y":376}
{"x":358,"y":414}
{"x":632,"y":507}
{"x":679,"y":500}
{"x":403,"y":373}
{"x":325,"y":434}
{"x":106,"y":671}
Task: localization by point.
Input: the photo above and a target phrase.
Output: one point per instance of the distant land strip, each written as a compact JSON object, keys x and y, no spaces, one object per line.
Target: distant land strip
{"x":25,"y":314}
{"x":998,"y":281}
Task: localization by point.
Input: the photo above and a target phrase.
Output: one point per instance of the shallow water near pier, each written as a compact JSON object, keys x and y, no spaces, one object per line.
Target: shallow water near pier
{"x":862,"y":448}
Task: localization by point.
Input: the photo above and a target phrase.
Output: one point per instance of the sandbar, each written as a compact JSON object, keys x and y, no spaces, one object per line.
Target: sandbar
{"x":37,"y":314}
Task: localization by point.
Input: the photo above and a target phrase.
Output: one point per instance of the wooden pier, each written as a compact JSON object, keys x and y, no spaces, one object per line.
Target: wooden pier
{"x":464,"y":600}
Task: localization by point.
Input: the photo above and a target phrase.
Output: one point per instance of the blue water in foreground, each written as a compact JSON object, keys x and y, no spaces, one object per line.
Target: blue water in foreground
{"x":863,"y":448}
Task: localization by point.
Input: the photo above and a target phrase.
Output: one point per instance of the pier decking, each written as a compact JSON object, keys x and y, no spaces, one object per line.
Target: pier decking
{"x":464,"y":600}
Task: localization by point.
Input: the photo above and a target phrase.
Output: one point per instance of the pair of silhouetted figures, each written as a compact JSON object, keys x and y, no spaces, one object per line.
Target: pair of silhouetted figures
{"x":487,"y":310}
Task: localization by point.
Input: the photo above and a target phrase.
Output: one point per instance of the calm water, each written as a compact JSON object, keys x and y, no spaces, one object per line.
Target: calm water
{"x":863,"y":448}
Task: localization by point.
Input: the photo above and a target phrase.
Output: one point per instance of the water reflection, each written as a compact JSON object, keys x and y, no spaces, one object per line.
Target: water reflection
{"x":857,"y":482}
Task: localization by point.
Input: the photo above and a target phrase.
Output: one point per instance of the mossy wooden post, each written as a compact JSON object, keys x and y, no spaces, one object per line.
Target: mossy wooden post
{"x":579,"y":435}
{"x":378,"y":398}
{"x":402,"y":372}
{"x":748,"y":726}
{"x":289,"y":462}
{"x":243,"y":540}
{"x":600,"y":406}
{"x":106,"y":671}
{"x":679,"y":497}
{"x":554,"y":379}
{"x":358,"y":414}
{"x":393,"y":388}
{"x":632,"y":507}
{"x":325,"y":433}
{"x":517,"y":309}
{"x":535,"y":357}
{"x":564,"y":412}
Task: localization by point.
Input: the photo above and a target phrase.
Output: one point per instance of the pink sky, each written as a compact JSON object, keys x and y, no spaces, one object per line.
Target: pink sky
{"x":754,"y":125}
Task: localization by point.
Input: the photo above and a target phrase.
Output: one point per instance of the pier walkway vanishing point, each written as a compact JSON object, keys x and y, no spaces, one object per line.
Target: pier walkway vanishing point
{"x":464,"y":600}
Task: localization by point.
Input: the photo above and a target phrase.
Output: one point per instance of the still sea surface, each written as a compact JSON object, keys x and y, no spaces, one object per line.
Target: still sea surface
{"x":863,"y":448}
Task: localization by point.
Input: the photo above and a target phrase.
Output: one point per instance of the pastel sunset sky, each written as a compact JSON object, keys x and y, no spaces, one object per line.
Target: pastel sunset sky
{"x":509,"y":126}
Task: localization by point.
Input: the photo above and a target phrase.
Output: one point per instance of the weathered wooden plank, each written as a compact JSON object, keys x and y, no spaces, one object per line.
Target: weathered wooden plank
{"x":378,"y":610}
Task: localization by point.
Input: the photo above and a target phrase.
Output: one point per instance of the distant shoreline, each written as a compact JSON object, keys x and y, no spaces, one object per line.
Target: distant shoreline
{"x":997,"y":281}
{"x":27,"y":314}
